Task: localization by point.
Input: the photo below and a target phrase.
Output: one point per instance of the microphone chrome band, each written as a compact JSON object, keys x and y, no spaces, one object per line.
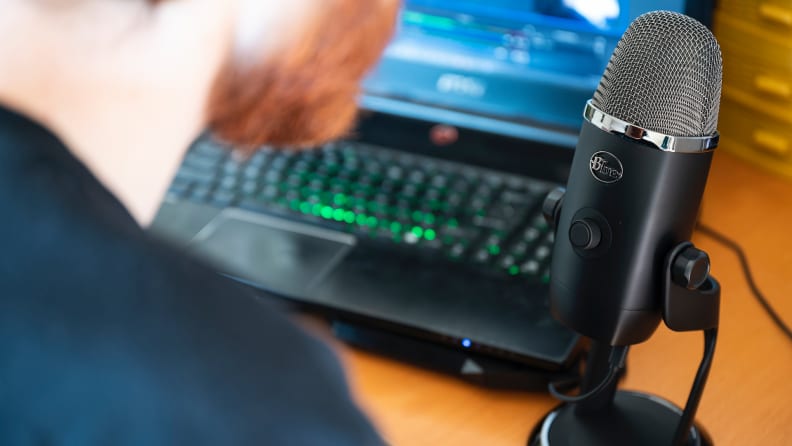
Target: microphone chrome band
{"x":666,"y":143}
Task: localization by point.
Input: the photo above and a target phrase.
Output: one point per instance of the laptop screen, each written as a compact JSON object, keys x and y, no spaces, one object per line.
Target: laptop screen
{"x":527,"y":63}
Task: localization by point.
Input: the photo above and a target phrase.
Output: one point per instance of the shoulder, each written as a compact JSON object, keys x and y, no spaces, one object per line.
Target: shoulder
{"x":108,"y":336}
{"x":148,"y":339}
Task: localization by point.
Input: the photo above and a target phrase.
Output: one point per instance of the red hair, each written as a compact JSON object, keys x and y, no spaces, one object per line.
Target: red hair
{"x":307,"y":93}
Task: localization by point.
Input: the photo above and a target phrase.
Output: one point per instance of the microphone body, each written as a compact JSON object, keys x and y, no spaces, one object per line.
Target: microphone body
{"x":627,"y":204}
{"x":637,"y":178}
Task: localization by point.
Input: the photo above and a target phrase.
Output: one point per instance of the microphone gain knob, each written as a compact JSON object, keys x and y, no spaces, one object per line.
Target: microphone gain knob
{"x":551,"y":207}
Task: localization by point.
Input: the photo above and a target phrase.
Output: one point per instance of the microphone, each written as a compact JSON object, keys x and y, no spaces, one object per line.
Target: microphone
{"x":637,"y":178}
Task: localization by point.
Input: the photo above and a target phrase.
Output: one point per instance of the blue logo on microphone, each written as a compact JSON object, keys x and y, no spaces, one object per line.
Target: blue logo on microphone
{"x":606,"y":167}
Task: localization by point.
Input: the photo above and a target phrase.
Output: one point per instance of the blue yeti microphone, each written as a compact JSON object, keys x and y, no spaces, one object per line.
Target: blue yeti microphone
{"x":637,"y":178}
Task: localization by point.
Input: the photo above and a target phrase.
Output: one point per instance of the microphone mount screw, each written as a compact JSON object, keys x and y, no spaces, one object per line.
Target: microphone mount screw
{"x":690,"y":268}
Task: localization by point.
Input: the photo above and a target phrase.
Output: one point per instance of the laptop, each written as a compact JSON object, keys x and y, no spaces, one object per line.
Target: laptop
{"x":426,"y":225}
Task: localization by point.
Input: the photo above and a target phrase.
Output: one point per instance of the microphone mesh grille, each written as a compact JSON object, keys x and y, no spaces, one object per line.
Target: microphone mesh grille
{"x":664,"y":75}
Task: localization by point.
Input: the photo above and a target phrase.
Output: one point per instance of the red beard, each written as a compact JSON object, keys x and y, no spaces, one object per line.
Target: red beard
{"x":307,"y":94}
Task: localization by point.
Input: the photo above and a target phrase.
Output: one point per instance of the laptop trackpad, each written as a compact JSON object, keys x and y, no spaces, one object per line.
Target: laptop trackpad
{"x":271,"y":253}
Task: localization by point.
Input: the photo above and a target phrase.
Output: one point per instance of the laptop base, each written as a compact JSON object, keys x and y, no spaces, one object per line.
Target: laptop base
{"x":469,"y":366}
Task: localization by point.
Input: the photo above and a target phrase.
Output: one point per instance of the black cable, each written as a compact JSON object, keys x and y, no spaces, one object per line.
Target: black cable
{"x":689,"y":414}
{"x":731,"y":244}
{"x":617,"y":359}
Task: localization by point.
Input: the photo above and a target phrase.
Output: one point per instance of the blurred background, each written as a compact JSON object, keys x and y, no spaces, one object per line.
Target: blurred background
{"x":563,"y":52}
{"x":756,"y":112}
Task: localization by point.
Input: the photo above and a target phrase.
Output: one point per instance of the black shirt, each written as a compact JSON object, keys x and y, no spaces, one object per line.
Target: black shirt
{"x":110,"y":337}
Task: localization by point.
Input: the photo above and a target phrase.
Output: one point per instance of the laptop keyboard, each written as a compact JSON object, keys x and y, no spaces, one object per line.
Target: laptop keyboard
{"x":488,"y":220}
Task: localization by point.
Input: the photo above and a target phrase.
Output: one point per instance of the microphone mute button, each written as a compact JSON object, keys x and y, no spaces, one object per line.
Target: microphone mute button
{"x":585,"y":234}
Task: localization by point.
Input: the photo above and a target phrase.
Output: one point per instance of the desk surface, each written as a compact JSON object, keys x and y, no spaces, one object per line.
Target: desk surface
{"x":748,"y":399}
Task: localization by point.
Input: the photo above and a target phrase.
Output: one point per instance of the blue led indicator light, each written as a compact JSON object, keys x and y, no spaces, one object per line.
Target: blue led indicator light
{"x":466,"y":343}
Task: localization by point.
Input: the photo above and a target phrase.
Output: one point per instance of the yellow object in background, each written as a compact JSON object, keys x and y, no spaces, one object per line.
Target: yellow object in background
{"x":756,"y":108}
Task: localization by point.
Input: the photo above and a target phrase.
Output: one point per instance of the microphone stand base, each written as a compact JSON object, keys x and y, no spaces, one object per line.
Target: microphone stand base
{"x":633,"y":418}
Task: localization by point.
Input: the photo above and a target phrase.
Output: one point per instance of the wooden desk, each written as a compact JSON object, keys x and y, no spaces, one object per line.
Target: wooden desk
{"x":748,"y":399}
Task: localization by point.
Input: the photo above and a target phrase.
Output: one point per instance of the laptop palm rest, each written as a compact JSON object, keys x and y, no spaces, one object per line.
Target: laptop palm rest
{"x":284,"y":256}
{"x":330,"y":269}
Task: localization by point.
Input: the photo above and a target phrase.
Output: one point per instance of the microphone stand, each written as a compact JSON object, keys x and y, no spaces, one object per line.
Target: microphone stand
{"x":611,"y":417}
{"x":597,"y":367}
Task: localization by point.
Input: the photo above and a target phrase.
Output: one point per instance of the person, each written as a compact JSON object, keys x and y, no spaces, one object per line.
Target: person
{"x":109,"y":336}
